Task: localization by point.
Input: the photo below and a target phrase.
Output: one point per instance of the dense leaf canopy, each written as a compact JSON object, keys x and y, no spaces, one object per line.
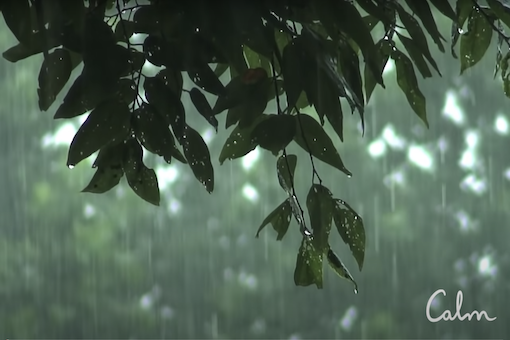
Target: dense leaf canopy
{"x":241,"y":56}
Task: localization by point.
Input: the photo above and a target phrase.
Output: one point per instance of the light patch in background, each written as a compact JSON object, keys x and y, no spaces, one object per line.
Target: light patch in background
{"x":389,"y":67}
{"x":420,"y":157}
{"x":349,"y":318}
{"x":377,"y":148}
{"x":208,"y":135}
{"x":474,"y":184}
{"x":452,"y":110}
{"x":250,"y":193}
{"x":174,"y":206}
{"x":486,"y":266}
{"x":166,"y":176}
{"x":467,"y":160}
{"x":472,"y":139}
{"x":63,"y":135}
{"x":392,"y":139}
{"x":501,"y":125}
{"x":250,"y":159}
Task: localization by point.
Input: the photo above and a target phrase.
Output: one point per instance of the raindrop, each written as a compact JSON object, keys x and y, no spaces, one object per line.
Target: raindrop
{"x":355,"y":290}
{"x":70,"y":166}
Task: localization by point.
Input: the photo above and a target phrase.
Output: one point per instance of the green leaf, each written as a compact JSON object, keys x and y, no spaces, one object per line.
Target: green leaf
{"x":349,"y":68}
{"x":308,"y":265}
{"x":383,"y":54}
{"x":501,"y":10}
{"x":167,"y":104}
{"x":337,"y":265}
{"x":154,"y":134}
{"x":320,"y":208}
{"x":445,"y":8}
{"x":422,"y":10}
{"x":416,"y":55}
{"x":313,"y":139}
{"x":126,"y":90}
{"x":220,"y":69}
{"x":17,"y":16}
{"x":418,"y":38}
{"x":274,"y":133}
{"x":205,"y":78}
{"x":377,"y":12}
{"x":463,"y":9}
{"x":108,"y":122}
{"x":279,"y":219}
{"x":109,"y":169}
{"x":142,"y":180}
{"x":21,"y":51}
{"x":476,"y":41}
{"x":406,"y":80}
{"x":199,"y":158}
{"x":285,"y":168}
{"x":291,"y":70}
{"x":54,"y":74}
{"x":203,"y":107}
{"x":172,"y":79}
{"x":240,"y":143}
{"x":350,"y":227}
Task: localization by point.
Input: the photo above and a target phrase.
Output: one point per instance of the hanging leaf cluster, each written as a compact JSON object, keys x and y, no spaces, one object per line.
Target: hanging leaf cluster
{"x":299,"y":53}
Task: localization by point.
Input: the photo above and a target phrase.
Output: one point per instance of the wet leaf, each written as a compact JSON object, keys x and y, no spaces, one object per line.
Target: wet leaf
{"x":167,"y":104}
{"x":350,"y":227}
{"x":274,"y":133}
{"x":126,"y":90}
{"x":475,"y":42}
{"x":142,"y":180}
{"x":279,"y":219}
{"x":337,"y":265}
{"x":308,"y":265}
{"x":313,"y":139}
{"x":501,"y":10}
{"x":285,"y":168}
{"x":17,"y":17}
{"x":423,"y":11}
{"x":416,"y":56}
{"x":109,"y":169}
{"x":291,"y":70}
{"x":172,"y":79}
{"x":154,"y":133}
{"x":320,"y":208}
{"x":445,"y":8}
{"x":383,"y":54}
{"x":327,"y":103}
{"x":239,"y":143}
{"x":406,"y":79}
{"x":203,"y":107}
{"x":205,"y":78}
{"x":199,"y":158}
{"x":108,"y":122}
{"x":54,"y":74}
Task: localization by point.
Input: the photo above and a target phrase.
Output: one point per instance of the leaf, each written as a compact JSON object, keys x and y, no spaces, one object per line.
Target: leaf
{"x":203,"y":107}
{"x":463,"y":9}
{"x":199,"y":158}
{"x":240,"y":143}
{"x":320,"y":208}
{"x":445,"y":8}
{"x":350,"y":227}
{"x":17,"y":17}
{"x":154,"y":134}
{"x":406,"y":80}
{"x":108,"y":122}
{"x":337,"y":265}
{"x":205,"y":78}
{"x":501,"y":10}
{"x":127,"y":90}
{"x":279,"y":219}
{"x":167,"y":104}
{"x":285,"y":168}
{"x":308,"y":265}
{"x":291,"y":70}
{"x":109,"y":169}
{"x":422,"y":10}
{"x":220,"y":69}
{"x":476,"y":41}
{"x":416,"y":55}
{"x":313,"y":139}
{"x":348,"y":63}
{"x":383,"y":54}
{"x":172,"y":79}
{"x":274,"y":133}
{"x":54,"y":74}
{"x":142,"y":180}
{"x":417,"y":36}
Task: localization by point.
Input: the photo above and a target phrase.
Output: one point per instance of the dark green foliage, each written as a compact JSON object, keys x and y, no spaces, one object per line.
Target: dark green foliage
{"x":314,"y":61}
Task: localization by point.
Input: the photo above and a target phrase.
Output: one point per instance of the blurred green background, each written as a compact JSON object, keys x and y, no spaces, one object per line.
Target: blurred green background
{"x":435,"y":205}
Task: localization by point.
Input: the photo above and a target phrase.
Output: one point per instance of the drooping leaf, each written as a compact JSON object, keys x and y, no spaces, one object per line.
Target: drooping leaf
{"x":285,"y":168}
{"x":240,"y":143}
{"x":205,"y":78}
{"x":423,"y":11}
{"x":406,"y":80}
{"x":291,"y":70}
{"x":109,"y":169}
{"x":203,"y":107}
{"x":383,"y":54}
{"x":108,"y":122}
{"x":274,"y":133}
{"x":54,"y":74}
{"x":172,"y":79}
{"x":445,"y":8}
{"x":279,"y":218}
{"x":350,"y":227}
{"x":476,"y":41}
{"x":416,"y":55}
{"x":154,"y":134}
{"x":126,"y":90}
{"x":337,"y":265}
{"x":501,"y":10}
{"x":199,"y":158}
{"x":167,"y":104}
{"x":312,"y":138}
{"x":17,"y":16}
{"x":142,"y":180}
{"x":320,"y":208}
{"x":308,"y":265}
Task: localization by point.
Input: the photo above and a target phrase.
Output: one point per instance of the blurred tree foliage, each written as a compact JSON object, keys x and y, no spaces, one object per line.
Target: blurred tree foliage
{"x":295,"y":53}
